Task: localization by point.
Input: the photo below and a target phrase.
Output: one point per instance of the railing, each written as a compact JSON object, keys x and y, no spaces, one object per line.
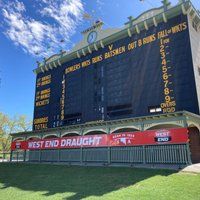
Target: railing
{"x":175,"y":154}
{"x":5,"y":156}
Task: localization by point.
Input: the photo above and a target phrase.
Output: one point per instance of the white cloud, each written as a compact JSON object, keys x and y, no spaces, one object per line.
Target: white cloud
{"x":19,"y":6}
{"x":34,"y":36}
{"x":100,"y":4}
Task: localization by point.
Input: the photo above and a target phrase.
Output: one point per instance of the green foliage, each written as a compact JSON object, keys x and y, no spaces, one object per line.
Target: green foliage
{"x":10,"y":125}
{"x":23,"y":123}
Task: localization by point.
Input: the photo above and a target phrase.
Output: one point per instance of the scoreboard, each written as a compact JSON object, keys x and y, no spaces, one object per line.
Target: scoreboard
{"x":148,"y":73}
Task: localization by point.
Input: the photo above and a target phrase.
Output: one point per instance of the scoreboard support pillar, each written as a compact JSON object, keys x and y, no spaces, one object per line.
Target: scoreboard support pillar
{"x":144,"y":154}
{"x":11,"y":153}
{"x":24,"y":155}
{"x":40,"y":153}
{"x":59,"y":135}
{"x":58,"y":155}
{"x":109,"y":156}
{"x":17,"y":156}
{"x":81,"y":156}
{"x":189,"y":154}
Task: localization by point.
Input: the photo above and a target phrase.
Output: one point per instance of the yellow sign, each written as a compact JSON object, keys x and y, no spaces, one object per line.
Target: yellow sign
{"x":161,"y":35}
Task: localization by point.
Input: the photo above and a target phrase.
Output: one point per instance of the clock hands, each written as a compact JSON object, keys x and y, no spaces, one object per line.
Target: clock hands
{"x":91,"y":37}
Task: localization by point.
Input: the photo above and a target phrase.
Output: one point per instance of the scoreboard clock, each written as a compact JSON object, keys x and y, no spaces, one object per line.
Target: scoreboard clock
{"x":92,"y":37}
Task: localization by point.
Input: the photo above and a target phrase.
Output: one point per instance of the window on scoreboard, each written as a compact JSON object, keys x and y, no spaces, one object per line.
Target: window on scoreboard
{"x":154,"y":109}
{"x":73,"y":118}
{"x":119,"y":113}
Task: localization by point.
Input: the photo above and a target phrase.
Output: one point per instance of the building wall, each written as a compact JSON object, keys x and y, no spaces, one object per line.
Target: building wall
{"x":128,"y":78}
{"x":195,"y":47}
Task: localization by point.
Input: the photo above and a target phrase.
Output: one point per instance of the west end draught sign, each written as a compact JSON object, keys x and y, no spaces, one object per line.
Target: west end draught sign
{"x":153,"y":137}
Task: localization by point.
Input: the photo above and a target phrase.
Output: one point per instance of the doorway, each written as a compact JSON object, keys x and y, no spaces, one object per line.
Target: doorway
{"x":194,"y":137}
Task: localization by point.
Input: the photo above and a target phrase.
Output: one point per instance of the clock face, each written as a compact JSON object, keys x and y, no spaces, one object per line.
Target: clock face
{"x":92,"y":37}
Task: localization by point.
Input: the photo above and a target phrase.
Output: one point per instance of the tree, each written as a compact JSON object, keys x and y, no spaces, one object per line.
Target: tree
{"x":10,"y":125}
{"x":23,"y":124}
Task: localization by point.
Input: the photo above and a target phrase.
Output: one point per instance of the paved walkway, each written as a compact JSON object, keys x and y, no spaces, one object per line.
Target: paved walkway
{"x":192,"y":168}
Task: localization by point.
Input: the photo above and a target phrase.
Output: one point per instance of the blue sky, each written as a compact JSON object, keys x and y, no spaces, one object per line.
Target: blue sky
{"x":32,"y":29}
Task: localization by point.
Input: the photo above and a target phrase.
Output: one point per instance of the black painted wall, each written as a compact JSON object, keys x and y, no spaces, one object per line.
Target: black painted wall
{"x":123,"y":86}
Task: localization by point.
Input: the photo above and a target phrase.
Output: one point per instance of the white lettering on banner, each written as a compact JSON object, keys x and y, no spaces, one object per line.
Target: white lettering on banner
{"x":123,"y":135}
{"x":63,"y":142}
{"x":51,"y":143}
{"x":73,"y":143}
{"x":163,"y":139}
{"x":98,"y":138}
{"x":87,"y":141}
{"x":68,"y":142}
{"x":91,"y":141}
{"x":162,"y":133}
{"x":35,"y":145}
{"x":79,"y":142}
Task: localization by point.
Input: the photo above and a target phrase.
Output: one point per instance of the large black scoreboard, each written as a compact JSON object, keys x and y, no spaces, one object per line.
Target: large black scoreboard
{"x":148,"y":73}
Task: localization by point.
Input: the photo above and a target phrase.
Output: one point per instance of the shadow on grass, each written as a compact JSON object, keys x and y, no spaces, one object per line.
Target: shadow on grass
{"x":83,"y":181}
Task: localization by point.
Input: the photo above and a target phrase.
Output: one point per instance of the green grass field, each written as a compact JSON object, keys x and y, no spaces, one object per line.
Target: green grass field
{"x":29,"y":181}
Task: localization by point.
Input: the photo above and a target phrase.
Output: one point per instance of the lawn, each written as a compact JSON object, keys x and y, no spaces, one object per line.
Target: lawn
{"x":31,"y":182}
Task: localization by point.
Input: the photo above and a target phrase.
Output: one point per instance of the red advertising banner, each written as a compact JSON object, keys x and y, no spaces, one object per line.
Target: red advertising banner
{"x":153,"y":137}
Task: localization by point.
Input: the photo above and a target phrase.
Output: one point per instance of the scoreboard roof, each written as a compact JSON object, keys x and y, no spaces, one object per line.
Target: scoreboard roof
{"x":95,"y":37}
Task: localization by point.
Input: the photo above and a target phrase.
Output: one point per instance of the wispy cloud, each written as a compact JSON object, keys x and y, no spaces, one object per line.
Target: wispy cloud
{"x":100,"y":4}
{"x":58,"y":20}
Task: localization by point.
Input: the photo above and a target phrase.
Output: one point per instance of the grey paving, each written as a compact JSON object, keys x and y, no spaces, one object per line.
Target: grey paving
{"x":192,"y":168}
